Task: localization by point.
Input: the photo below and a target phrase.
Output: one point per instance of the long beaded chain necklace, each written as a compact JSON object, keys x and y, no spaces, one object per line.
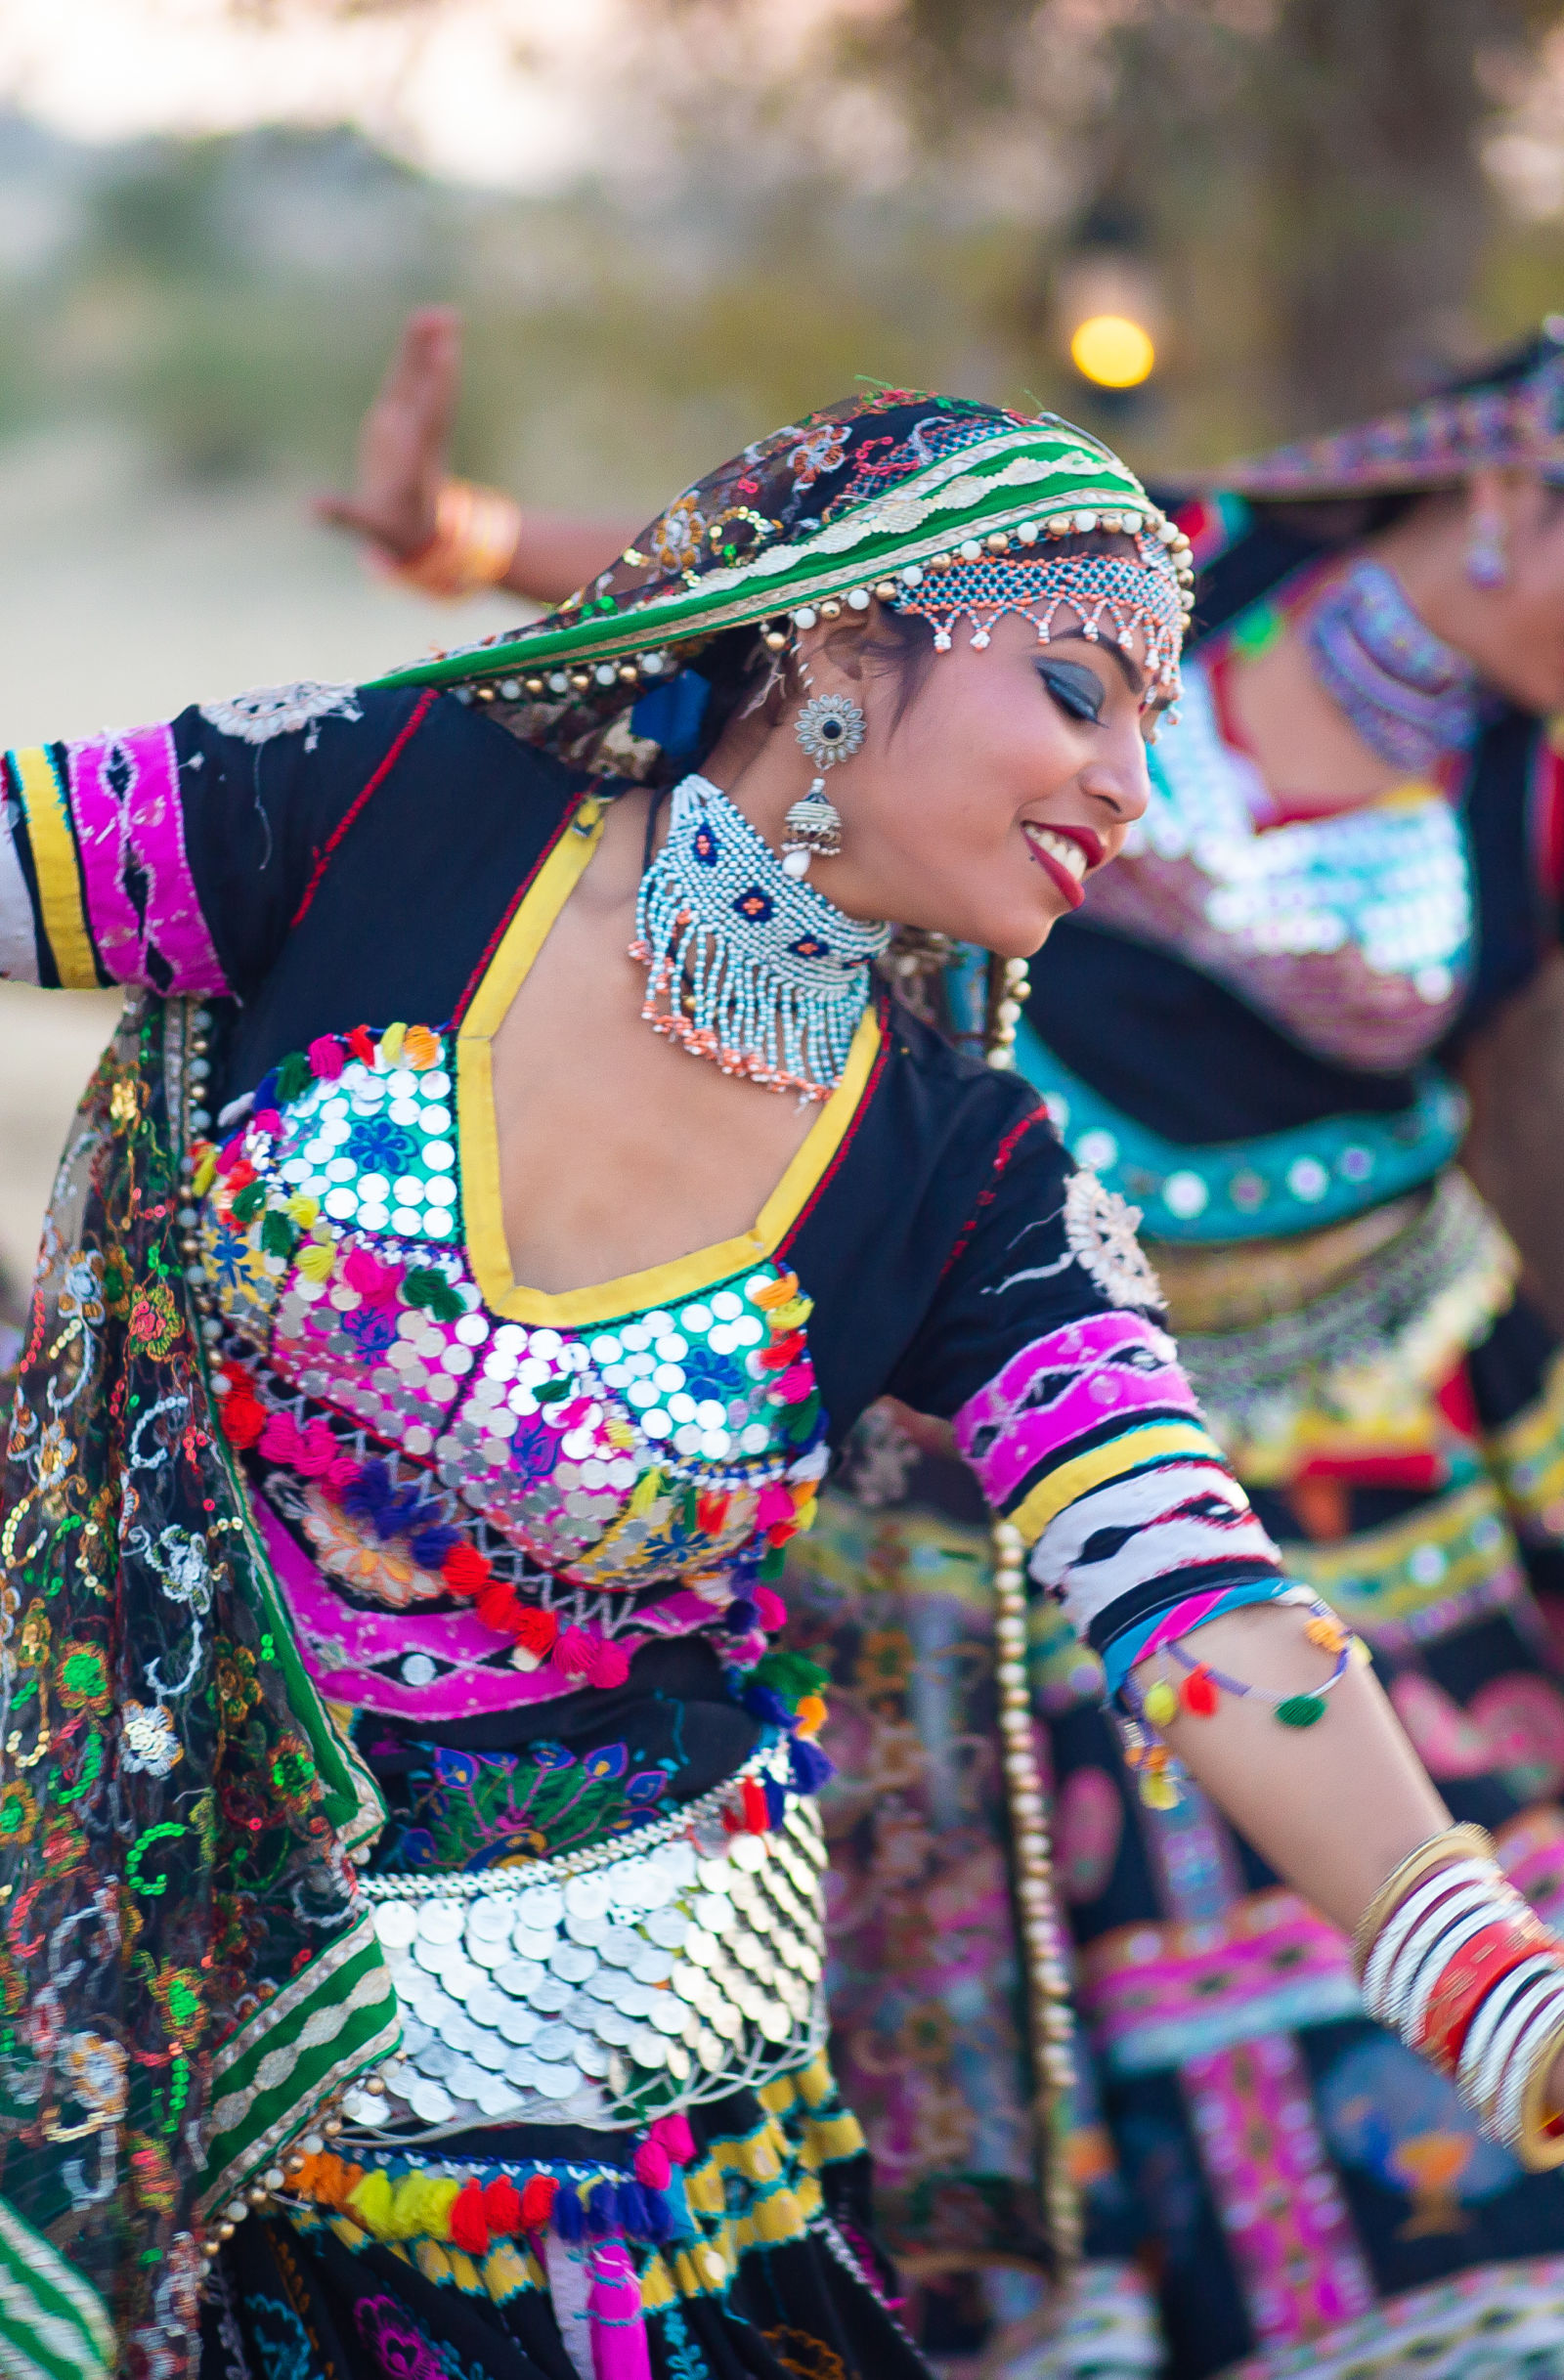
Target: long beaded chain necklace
{"x":1411,"y":698}
{"x":746,"y":965}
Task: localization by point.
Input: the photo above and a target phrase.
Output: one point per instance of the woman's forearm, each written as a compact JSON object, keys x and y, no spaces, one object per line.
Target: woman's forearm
{"x":557,"y":552}
{"x":1332,"y":1807}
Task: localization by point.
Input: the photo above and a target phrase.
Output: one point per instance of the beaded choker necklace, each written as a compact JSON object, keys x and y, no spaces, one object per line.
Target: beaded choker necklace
{"x":748,"y":965}
{"x":1412,"y":697}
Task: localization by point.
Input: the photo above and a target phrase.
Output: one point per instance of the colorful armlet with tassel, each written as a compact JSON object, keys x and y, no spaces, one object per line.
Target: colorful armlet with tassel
{"x":1155,"y":1704}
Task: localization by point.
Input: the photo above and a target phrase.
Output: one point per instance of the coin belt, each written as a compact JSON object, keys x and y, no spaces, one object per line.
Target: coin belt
{"x":601,"y":1989}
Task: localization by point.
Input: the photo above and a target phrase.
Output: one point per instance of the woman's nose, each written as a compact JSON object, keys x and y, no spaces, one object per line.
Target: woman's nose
{"x":1118,"y":780}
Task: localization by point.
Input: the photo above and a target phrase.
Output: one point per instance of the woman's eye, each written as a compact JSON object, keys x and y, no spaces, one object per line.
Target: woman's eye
{"x":1077,"y":690}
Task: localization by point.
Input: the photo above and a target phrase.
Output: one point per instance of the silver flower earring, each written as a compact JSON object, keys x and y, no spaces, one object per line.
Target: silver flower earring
{"x":830,"y":728}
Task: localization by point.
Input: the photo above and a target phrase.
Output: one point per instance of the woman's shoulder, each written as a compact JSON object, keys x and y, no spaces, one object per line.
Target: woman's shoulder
{"x":952,"y":1095}
{"x":323,"y":731}
{"x":336,"y":812}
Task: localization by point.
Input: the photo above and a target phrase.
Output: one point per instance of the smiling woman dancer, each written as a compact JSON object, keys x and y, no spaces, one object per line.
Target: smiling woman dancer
{"x":412,"y":1872}
{"x":1350,"y":869}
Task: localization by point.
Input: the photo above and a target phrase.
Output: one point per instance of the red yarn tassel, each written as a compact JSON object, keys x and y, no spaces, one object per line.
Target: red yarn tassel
{"x":502,"y":2206}
{"x":469,"y":2229}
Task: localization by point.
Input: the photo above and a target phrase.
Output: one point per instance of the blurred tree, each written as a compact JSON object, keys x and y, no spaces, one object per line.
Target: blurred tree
{"x":1348,"y":129}
{"x":1309,"y":165}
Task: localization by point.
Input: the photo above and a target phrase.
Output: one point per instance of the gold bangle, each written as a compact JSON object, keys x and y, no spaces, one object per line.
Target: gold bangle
{"x":1454,"y":1843}
{"x":477,"y":531}
{"x":1541,"y":2147}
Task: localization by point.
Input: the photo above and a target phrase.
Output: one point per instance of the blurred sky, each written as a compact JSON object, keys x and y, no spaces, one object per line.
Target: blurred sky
{"x":496,"y":91}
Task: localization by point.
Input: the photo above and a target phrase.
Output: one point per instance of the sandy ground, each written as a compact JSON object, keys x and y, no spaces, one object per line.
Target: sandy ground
{"x":123,"y":600}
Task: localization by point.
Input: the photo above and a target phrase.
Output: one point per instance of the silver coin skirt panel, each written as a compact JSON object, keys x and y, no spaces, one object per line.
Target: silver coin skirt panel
{"x":629,"y":1980}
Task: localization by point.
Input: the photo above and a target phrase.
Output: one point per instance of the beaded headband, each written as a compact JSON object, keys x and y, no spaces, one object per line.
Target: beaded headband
{"x":1135,"y":598}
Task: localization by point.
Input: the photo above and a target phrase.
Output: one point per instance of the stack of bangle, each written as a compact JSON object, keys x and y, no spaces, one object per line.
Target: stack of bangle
{"x":1458,"y":1963}
{"x":476,"y":534}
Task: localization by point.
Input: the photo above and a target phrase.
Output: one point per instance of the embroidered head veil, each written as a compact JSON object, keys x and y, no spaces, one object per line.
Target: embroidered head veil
{"x":937,"y":505}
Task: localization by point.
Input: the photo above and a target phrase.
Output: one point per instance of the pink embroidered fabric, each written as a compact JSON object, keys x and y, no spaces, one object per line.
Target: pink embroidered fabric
{"x":1059,"y":1390}
{"x":130,"y":829}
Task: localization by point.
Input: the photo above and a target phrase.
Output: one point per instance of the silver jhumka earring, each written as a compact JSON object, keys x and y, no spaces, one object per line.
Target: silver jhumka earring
{"x":1487,"y":557}
{"x":830,"y":728}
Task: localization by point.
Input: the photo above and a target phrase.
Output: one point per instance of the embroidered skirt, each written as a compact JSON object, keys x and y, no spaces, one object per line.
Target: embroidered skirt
{"x":767,"y":2269}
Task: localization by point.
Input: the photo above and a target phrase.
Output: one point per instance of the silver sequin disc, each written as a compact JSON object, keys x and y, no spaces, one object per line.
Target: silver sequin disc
{"x":542,"y":1906}
{"x":440,"y":1921}
{"x":519,"y":1976}
{"x":431,"y":2102}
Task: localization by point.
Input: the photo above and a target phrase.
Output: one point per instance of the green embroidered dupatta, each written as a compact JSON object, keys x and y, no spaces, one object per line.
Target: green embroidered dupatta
{"x":185,"y":1974}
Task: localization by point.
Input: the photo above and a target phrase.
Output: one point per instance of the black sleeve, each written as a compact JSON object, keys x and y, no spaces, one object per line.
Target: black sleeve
{"x":179,"y":854}
{"x":266,"y":813}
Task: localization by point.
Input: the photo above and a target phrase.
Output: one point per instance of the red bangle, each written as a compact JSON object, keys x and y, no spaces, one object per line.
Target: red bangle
{"x":1465,"y":1983}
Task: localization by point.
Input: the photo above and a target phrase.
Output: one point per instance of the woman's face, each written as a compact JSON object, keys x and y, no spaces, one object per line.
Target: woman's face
{"x":1014,"y":772}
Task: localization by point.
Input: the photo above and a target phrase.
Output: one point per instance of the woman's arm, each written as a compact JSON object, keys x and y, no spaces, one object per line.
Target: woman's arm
{"x":1333,"y":1807}
{"x":176,"y":856}
{"x":1069,"y":1403}
{"x":403,"y":507}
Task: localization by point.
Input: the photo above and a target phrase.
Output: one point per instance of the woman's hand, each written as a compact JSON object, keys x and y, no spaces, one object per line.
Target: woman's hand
{"x":404,"y":463}
{"x":405,"y":440}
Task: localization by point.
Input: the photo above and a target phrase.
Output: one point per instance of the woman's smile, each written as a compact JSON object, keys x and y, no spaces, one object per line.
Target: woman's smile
{"x":1064,"y":854}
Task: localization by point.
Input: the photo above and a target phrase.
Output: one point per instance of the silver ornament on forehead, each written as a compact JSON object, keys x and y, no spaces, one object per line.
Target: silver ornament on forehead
{"x":830,"y":728}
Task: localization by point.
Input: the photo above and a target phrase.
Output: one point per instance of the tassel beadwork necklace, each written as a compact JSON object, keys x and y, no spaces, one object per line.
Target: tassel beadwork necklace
{"x":747,"y":966}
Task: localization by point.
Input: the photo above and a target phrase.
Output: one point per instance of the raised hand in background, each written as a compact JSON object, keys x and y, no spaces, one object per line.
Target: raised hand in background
{"x":438,"y":534}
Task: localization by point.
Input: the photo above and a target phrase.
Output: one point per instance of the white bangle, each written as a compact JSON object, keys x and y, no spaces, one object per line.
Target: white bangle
{"x":1542,"y":2017}
{"x":1428,"y":1941}
{"x":1425,"y":1982}
{"x":1430,"y":1928}
{"x":1489,"y":2078}
{"x":1506,"y":1993}
{"x":1416,"y":1906}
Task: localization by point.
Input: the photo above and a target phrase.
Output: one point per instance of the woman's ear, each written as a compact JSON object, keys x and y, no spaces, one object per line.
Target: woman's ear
{"x":832,"y":645}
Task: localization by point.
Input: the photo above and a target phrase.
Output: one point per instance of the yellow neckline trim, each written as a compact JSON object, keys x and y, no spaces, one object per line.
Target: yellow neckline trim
{"x":681,"y":1277}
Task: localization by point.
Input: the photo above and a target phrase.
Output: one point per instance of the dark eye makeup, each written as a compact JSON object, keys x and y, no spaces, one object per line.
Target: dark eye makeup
{"x":1078,"y":691}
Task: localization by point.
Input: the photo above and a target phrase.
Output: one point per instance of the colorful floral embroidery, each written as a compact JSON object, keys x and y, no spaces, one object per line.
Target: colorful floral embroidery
{"x":472,"y":1809}
{"x":82,"y":1677}
{"x":154,"y":1320}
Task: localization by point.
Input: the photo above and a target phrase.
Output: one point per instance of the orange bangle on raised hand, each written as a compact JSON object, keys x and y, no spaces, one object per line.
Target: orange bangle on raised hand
{"x":477,"y":531}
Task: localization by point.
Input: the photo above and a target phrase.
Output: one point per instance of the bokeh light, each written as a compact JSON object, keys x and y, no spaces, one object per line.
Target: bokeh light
{"x":1113,"y":351}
